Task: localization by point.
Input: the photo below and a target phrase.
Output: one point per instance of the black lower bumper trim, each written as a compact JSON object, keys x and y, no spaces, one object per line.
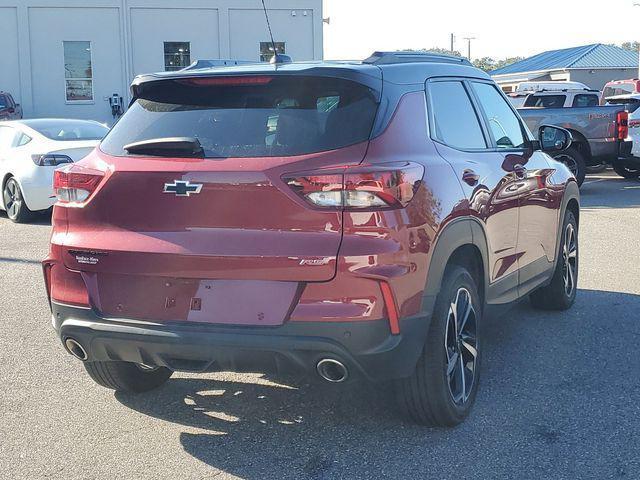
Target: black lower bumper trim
{"x":367,"y":348}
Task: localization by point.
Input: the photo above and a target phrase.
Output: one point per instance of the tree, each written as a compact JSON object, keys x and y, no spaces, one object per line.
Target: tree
{"x":488,"y":64}
{"x":485,"y":63}
{"x":442,"y":51}
{"x":633,"y":46}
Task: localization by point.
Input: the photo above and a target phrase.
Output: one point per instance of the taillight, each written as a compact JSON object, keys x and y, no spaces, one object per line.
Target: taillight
{"x":622,"y":124}
{"x":369,"y":187}
{"x":75,"y":184}
{"x":50,"y":159}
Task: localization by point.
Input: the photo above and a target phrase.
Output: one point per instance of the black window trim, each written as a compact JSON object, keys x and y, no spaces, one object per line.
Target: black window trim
{"x":525,"y":131}
{"x":431,"y":115}
{"x":575,"y":97}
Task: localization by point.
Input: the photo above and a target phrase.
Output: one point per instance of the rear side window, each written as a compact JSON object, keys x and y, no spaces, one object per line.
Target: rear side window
{"x":503,"y":122}
{"x":455,"y":121}
{"x":23,"y":140}
{"x":258,"y":116}
{"x":584,"y":100}
{"x":545,"y":101}
{"x":4,"y":101}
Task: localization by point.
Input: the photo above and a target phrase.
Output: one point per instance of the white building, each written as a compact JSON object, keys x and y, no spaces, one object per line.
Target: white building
{"x":65,"y":58}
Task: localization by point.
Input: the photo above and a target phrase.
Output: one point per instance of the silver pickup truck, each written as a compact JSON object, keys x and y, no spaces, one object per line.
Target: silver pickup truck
{"x":599,"y":133}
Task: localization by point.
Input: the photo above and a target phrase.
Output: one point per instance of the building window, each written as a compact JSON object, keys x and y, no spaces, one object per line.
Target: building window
{"x":177,"y":55}
{"x":78,"y":73}
{"x":266,"y":50}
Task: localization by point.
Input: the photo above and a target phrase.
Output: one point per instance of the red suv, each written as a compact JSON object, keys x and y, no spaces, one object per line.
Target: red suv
{"x":350,"y":220}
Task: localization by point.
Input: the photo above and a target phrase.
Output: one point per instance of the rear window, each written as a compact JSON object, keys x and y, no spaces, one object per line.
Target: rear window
{"x":618,"y":89}
{"x":68,"y":130}
{"x":545,"y":101}
{"x":260,"y":116}
{"x":585,"y":100}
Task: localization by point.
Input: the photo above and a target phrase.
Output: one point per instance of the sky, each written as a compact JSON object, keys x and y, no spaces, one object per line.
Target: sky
{"x":503,"y":28}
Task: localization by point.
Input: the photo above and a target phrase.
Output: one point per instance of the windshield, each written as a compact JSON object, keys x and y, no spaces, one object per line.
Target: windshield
{"x":68,"y":130}
{"x":259,"y":116}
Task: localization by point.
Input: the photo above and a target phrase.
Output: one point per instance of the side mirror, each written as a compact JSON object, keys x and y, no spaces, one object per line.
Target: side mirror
{"x":554,"y":139}
{"x":11,"y":110}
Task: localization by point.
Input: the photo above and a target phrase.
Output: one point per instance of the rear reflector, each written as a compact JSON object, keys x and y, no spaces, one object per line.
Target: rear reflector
{"x":66,"y":286}
{"x":372,"y":187}
{"x":74,"y":184}
{"x":240,"y":80}
{"x":392,"y":310}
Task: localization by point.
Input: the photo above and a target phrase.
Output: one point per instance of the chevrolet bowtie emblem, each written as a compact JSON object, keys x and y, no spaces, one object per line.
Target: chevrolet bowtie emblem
{"x":181,"y":188}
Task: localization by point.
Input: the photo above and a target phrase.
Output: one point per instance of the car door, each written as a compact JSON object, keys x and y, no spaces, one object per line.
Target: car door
{"x":537,"y":219}
{"x":464,"y":141}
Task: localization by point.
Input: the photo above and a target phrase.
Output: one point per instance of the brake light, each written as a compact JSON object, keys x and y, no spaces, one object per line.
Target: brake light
{"x":240,"y":80}
{"x":75,"y":184}
{"x":371,"y":187}
{"x":622,"y":124}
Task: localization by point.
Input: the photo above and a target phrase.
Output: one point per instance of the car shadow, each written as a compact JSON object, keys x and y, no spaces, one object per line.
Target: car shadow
{"x":255,"y":426}
{"x":38,"y":218}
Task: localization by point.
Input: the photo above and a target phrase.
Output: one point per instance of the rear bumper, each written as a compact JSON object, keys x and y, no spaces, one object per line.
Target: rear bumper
{"x":366,"y":348}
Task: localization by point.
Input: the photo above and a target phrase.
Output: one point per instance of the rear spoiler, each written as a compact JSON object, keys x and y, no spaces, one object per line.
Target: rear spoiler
{"x":199,"y":64}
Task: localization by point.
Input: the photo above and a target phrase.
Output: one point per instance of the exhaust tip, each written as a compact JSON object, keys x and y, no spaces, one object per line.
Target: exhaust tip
{"x":332,"y":370}
{"x":75,"y":349}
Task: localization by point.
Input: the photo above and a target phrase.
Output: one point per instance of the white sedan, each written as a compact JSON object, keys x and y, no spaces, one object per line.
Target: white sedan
{"x":30,"y":151}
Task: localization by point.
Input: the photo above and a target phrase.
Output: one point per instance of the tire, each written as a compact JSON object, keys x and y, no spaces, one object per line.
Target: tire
{"x":574,"y":160}
{"x":127,"y":377}
{"x":557,"y":295}
{"x":626,"y":172}
{"x":432,"y":396}
{"x":14,"y":203}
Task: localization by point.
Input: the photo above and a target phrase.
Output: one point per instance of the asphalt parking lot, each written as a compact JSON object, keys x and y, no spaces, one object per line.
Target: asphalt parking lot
{"x":558,"y":399}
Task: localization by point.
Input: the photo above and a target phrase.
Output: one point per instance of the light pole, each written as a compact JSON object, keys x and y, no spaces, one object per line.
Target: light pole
{"x":636,"y":4}
{"x":468,"y":39}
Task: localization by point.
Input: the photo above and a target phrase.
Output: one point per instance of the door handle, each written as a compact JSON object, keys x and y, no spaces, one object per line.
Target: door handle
{"x":520,"y":171}
{"x":470,"y":177}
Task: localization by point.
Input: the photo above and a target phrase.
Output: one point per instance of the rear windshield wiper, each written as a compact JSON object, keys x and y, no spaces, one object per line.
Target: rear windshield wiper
{"x":167,"y":147}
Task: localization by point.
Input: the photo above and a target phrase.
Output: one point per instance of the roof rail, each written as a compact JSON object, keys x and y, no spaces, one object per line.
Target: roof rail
{"x":389,"y":58}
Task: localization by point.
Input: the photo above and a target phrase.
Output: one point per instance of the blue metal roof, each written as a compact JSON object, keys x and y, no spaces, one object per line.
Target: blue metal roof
{"x":596,"y":55}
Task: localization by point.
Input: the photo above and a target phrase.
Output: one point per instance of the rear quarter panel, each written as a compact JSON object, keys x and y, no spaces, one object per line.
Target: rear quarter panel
{"x":396,"y":246}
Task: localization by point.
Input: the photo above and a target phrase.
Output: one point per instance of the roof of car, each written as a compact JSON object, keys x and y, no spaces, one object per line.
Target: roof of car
{"x":395,"y":67}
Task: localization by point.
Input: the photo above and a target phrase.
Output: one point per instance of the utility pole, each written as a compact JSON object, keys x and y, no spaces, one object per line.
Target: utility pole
{"x":468,"y":39}
{"x":453,"y":38}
